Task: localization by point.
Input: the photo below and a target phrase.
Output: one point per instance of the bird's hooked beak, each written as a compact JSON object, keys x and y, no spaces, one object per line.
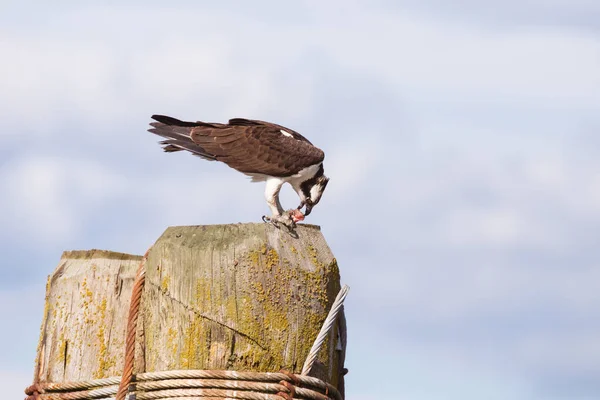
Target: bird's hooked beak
{"x":309,"y":206}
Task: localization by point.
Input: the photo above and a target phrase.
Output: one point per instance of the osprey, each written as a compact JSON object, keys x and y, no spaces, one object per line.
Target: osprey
{"x":265,"y":151}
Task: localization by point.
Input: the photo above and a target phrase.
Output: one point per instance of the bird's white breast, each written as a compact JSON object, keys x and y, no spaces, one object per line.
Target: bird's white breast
{"x":295,"y":180}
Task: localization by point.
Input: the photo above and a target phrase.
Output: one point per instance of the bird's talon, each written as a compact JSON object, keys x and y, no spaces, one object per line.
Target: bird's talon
{"x":273,"y":221}
{"x":279,"y":220}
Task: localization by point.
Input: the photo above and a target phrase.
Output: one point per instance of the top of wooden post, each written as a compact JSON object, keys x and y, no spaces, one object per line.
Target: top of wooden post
{"x":95,"y":253}
{"x":236,"y":296}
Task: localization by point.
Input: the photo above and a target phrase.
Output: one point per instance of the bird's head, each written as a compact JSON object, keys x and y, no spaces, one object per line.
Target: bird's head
{"x":312,"y":190}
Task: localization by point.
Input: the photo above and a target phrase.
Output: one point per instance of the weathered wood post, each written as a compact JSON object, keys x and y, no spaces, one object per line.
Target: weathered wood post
{"x":241,"y":297}
{"x":85,"y":315}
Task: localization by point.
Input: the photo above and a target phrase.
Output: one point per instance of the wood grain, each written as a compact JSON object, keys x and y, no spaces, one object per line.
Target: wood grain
{"x":87,"y":298}
{"x":245,"y":297}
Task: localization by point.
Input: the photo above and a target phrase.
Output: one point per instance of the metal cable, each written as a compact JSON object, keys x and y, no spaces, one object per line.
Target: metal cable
{"x":325,"y":330}
{"x":194,"y":383}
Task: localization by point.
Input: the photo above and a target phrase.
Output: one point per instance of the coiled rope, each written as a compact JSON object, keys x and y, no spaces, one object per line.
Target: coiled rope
{"x":195,"y":384}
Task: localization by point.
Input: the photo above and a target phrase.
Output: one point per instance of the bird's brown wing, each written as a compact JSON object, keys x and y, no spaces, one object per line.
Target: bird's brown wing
{"x":254,"y":147}
{"x":274,"y":127}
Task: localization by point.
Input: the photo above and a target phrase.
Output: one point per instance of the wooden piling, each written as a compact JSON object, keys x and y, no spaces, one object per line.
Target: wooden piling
{"x":243,"y":297}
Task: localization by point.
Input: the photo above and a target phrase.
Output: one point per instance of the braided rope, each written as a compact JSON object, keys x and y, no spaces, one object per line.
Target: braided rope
{"x":134,"y":311}
{"x":195,"y":384}
{"x":192,"y":374}
{"x":325,"y":329}
{"x":237,"y":375}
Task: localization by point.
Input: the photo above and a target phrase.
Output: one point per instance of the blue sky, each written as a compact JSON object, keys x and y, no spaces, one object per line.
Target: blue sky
{"x":461,"y":140}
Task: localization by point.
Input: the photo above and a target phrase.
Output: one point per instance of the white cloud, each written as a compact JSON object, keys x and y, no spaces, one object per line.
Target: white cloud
{"x":538,"y":66}
{"x":14,"y":382}
{"x":351,"y":163}
{"x":55,"y":200}
{"x":45,"y":197}
{"x":55,"y":76}
{"x":563,"y":352}
{"x":437,"y":294}
{"x":496,"y":227}
{"x":49,"y":81}
{"x":21,"y":311}
{"x":470,"y":234}
{"x":577,"y":14}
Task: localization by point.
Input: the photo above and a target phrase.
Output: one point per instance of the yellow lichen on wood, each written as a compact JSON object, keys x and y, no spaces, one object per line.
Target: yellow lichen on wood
{"x":172,"y":346}
{"x":62,"y":347}
{"x":164,"y":284}
{"x":241,"y":297}
{"x":106,"y":361}
{"x":85,"y":316}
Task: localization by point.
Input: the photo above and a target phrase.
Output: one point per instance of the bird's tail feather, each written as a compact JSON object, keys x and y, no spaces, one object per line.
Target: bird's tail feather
{"x":172,"y":121}
{"x":176,"y":122}
{"x":172,"y":145}
{"x":177,"y":135}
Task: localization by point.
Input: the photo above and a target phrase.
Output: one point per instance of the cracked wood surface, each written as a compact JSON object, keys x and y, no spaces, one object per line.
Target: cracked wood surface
{"x":85,"y":315}
{"x":239,"y":297}
{"x":245,"y":297}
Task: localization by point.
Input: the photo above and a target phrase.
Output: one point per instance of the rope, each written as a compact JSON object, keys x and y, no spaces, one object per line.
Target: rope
{"x":192,"y":374}
{"x":195,"y":384}
{"x":325,"y":329}
{"x":134,"y":310}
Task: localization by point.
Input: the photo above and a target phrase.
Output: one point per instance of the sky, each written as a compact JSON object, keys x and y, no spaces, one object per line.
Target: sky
{"x":462,"y":143}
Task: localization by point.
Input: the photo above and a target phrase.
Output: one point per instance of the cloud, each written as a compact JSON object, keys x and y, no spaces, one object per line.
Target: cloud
{"x":577,"y":14}
{"x":45,"y":195}
{"x":58,"y":77}
{"x":461,"y":155}
{"x":536,"y":67}
{"x":14,"y":382}
{"x":21,"y":311}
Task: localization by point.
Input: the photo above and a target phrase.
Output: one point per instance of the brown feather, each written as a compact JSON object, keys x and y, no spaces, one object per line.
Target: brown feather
{"x":249,"y":146}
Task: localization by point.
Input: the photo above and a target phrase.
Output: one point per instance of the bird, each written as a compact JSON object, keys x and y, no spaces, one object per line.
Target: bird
{"x":265,"y":151}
